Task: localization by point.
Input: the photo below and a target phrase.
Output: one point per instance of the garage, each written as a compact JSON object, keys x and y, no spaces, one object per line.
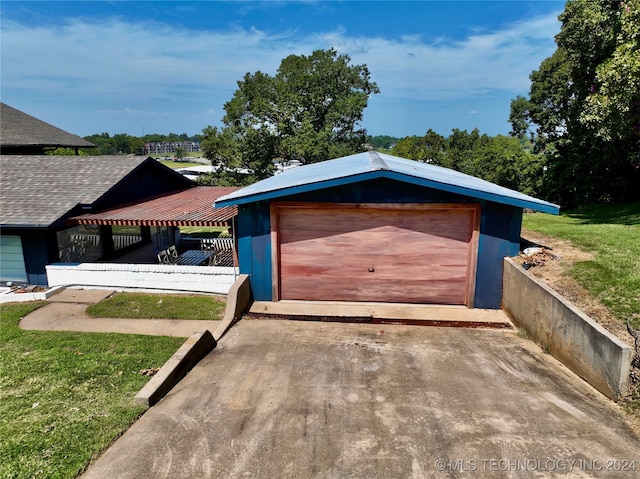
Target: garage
{"x":373,"y":227}
{"x":375,"y":252}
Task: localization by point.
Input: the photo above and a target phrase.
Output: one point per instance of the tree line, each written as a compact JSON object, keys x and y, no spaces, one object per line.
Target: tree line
{"x":124,"y":144}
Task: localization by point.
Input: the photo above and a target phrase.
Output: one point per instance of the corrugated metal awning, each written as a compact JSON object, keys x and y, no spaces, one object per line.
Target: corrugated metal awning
{"x":192,"y":207}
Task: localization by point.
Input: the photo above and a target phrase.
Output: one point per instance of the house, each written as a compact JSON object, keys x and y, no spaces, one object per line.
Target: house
{"x":22,"y":134}
{"x":40,"y":193}
{"x":374,"y":227}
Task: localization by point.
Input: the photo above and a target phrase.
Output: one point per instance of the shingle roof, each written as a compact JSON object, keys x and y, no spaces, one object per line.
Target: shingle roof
{"x":38,"y":190}
{"x":371,"y":165}
{"x":19,"y":129}
{"x":192,"y":207}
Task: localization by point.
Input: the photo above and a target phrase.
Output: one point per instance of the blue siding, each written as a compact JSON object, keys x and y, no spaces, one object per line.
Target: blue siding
{"x":499,"y":237}
{"x":499,"y":231}
{"x":254,"y":248}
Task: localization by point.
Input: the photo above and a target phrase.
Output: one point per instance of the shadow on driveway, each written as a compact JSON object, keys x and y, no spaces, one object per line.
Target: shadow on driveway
{"x":335,"y":400}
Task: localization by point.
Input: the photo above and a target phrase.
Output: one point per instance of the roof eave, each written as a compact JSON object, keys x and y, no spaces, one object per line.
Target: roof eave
{"x":542,"y":207}
{"x":292,"y":190}
{"x":537,"y":205}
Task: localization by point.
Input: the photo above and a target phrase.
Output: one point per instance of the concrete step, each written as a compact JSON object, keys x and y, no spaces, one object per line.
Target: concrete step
{"x":382,"y":313}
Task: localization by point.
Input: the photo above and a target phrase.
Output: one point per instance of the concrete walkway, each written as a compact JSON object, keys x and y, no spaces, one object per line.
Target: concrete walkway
{"x":66,"y":311}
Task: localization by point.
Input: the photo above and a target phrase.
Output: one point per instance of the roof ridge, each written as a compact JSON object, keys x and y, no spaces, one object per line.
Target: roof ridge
{"x":377,"y":163}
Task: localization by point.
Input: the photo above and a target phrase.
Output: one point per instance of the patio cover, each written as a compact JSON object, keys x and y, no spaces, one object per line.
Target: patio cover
{"x":192,"y":207}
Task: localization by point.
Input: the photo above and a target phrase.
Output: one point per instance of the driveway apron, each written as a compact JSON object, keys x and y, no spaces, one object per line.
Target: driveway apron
{"x":334,"y":400}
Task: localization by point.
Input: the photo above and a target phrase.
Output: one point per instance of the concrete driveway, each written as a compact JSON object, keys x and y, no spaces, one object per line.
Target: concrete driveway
{"x":301,"y":399}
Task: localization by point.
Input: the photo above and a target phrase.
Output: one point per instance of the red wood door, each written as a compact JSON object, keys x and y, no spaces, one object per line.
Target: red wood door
{"x":382,"y":253}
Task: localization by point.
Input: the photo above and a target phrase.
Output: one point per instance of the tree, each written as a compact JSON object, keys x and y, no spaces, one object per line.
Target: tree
{"x":309,"y":111}
{"x":503,"y":160}
{"x":584,"y":103}
{"x":430,"y":148}
{"x":615,"y":101}
{"x":382,"y":141}
{"x":180,"y":153}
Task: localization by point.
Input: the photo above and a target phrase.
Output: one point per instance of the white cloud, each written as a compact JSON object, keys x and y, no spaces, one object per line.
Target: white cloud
{"x":148,"y":69}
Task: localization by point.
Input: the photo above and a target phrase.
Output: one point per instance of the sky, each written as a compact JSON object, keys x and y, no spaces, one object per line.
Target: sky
{"x":169,"y":67}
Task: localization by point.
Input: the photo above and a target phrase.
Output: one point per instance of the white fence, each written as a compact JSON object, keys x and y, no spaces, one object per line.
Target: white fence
{"x":148,"y":276}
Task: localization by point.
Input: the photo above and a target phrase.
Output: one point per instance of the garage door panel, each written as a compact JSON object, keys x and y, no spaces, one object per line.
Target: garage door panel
{"x":306,"y":224}
{"x":387,"y":266}
{"x":441,"y":292}
{"x":377,"y":240}
{"x":375,"y":254}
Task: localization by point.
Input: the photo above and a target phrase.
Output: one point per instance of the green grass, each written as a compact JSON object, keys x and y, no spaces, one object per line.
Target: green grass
{"x":203,"y":231}
{"x":612,"y":234}
{"x":153,"y":306}
{"x":179,"y":164}
{"x":66,"y":396}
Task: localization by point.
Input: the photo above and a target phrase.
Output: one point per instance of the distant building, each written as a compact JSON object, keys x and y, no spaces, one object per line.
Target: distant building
{"x":164,"y":147}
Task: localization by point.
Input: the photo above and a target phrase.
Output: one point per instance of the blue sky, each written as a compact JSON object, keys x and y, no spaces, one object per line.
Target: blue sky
{"x":159,"y":67}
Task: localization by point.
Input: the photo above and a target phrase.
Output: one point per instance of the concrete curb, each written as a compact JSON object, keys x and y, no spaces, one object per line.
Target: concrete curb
{"x":185,"y":358}
{"x":10,"y":297}
{"x":196,"y":347}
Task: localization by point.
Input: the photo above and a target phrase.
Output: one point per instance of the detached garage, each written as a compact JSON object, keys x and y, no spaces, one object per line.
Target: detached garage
{"x":374,"y":227}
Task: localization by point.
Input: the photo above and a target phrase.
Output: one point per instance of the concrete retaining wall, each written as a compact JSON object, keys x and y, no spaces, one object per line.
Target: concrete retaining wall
{"x":238,"y":300}
{"x":211,"y":279}
{"x":570,"y":336}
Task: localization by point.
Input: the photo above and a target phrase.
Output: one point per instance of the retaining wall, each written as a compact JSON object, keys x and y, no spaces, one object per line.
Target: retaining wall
{"x":211,"y":279}
{"x":572,"y":337}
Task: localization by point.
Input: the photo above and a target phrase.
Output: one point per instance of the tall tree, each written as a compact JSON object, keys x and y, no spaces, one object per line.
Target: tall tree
{"x":430,"y":148}
{"x":309,"y":111}
{"x":584,"y":103}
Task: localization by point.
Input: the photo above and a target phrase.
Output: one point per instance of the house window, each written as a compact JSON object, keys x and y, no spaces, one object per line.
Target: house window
{"x":12,"y":260}
{"x":79,"y":244}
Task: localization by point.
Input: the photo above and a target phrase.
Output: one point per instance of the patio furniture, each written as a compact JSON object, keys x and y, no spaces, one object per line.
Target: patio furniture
{"x":173,"y":254}
{"x":163,"y":257}
{"x":194,"y":257}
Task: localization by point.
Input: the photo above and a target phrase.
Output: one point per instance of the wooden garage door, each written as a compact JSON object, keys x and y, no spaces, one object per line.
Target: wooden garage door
{"x":375,"y":252}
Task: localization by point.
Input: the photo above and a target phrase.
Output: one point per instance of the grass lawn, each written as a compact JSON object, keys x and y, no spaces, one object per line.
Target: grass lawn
{"x":66,"y":396}
{"x":154,"y":306}
{"x":203,"y":231}
{"x":612,"y":234}
{"x":179,"y":164}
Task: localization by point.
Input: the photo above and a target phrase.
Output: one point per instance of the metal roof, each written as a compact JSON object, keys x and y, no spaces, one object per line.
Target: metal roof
{"x":372,"y":165}
{"x":192,"y":207}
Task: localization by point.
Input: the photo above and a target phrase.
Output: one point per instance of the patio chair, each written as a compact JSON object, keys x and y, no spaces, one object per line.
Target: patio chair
{"x":207,"y":245}
{"x":213,"y":260}
{"x":163,"y":257}
{"x":172,"y":252}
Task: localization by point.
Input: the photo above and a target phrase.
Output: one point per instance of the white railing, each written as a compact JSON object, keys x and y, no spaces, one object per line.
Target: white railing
{"x":212,"y":279}
{"x":122,"y":241}
{"x":217,"y":244}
